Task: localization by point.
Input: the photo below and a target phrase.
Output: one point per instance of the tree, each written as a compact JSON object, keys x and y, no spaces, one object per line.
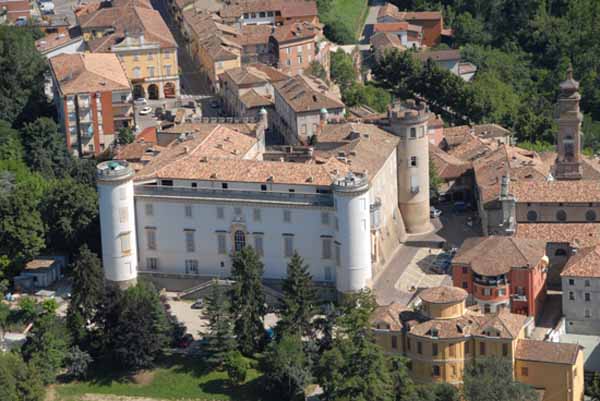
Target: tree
{"x":47,"y":346}
{"x":338,"y":31}
{"x":403,"y":386}
{"x":469,"y":30}
{"x":355,"y":368}
{"x":29,"y":308}
{"x":299,"y":299}
{"x":23,"y":69}
{"x":45,"y":148}
{"x":70,"y":212}
{"x":10,"y":143}
{"x":287,"y":367}
{"x":219,"y":339}
{"x":248,"y":300}
{"x":125,"y":136}
{"x":86,"y":294}
{"x":492,"y":378}
{"x":236,"y":367}
{"x":367,"y":95}
{"x":593,"y":389}
{"x":18,"y":380}
{"x":316,"y":69}
{"x":342,"y":69}
{"x":78,"y":362}
{"x":434,"y":179}
{"x":140,"y":328}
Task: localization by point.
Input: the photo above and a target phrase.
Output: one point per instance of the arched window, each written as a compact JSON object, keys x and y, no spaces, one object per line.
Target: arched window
{"x":590,"y":215}
{"x":532,"y":215}
{"x":561,"y":215}
{"x":239,"y":239}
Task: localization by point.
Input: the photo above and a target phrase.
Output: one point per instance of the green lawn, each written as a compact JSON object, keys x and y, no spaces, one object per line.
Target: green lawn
{"x":351,"y":13}
{"x":178,"y":379}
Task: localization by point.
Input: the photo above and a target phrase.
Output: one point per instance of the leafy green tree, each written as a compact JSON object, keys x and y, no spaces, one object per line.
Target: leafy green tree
{"x":219,"y":339}
{"x":403,"y":386}
{"x":299,"y":302}
{"x":236,"y":366}
{"x":248,"y":300}
{"x":469,"y":30}
{"x":492,"y":378}
{"x":339,"y":31}
{"x":342,"y":69}
{"x":23,"y":69}
{"x":593,"y":388}
{"x":355,"y":368}
{"x":86,"y":294}
{"x":29,"y":308}
{"x":70,"y":212}
{"x":316,"y":69}
{"x":368,"y":95}
{"x":77,"y":363}
{"x":10,"y":143}
{"x":19,"y":381}
{"x":434,"y":179}
{"x":45,"y":148}
{"x":140,"y":328}
{"x":287,"y":367}
{"x":125,"y":136}
{"x":47,"y":346}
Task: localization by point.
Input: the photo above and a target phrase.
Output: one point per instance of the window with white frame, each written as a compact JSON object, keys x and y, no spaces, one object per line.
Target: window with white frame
{"x":137,"y":72}
{"x":256,"y":214}
{"x":149,"y":209}
{"x":222,"y":243}
{"x":326,"y":248}
{"x":188,"y":210}
{"x":258,"y":244}
{"x":125,"y":243}
{"x":191,"y":266}
{"x":151,"y":71}
{"x":287,"y":216}
{"x":152,"y":263}
{"x":167,"y":70}
{"x":328,"y":273}
{"x":190,"y":245}
{"x":151,"y":238}
{"x":288,"y":246}
{"x":239,"y":238}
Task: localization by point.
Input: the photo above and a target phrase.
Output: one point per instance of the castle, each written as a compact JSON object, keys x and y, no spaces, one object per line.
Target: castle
{"x":344,"y":201}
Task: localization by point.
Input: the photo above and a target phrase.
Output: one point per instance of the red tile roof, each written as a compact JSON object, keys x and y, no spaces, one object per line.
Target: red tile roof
{"x":443,"y":295}
{"x":545,"y":351}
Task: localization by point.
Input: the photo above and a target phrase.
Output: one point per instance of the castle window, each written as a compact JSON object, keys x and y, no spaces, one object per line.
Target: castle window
{"x":436,"y":371}
{"x":532,"y":215}
{"x":325,"y":248}
{"x":413,"y":133}
{"x":287,"y":216}
{"x":151,"y":238}
{"x":240,"y":240}
{"x":325,"y":218}
{"x":220,"y":213}
{"x":588,"y":297}
{"x":590,"y":215}
{"x":413,"y":161}
{"x":190,"y":245}
{"x":125,"y":243}
{"x":222,"y":244}
{"x":571,"y":296}
{"x":123,"y":214}
{"x":561,"y":215}
{"x":571,"y":281}
{"x":288,"y":246}
{"x":191,"y":266}
{"x":588,"y":314}
{"x":587,"y":283}
{"x":224,"y":185}
{"x":263,"y":187}
{"x":152,"y":263}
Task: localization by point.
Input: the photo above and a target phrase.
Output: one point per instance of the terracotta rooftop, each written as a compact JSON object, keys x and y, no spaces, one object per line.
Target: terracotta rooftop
{"x":53,"y":40}
{"x":496,"y":255}
{"x":40,"y":263}
{"x":447,"y":166}
{"x":390,"y":10}
{"x":396,"y":27}
{"x":295,"y":32}
{"x":580,"y":234}
{"x":295,"y":9}
{"x":252,"y":99}
{"x":255,"y":34}
{"x":438,"y":55}
{"x":585,"y":263}
{"x":273,"y":74}
{"x":545,"y":351}
{"x":443,"y":295}
{"x":288,"y":9}
{"x":388,"y":315}
{"x":243,"y":76}
{"x":472,"y":148}
{"x":576,"y":191}
{"x":504,"y":323}
{"x":221,"y":42}
{"x":301,"y":95}
{"x":382,"y":41}
{"x":88,"y":72}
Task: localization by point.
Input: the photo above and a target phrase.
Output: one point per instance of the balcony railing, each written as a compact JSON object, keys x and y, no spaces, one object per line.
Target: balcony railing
{"x":490,"y":282}
{"x":322,"y":200}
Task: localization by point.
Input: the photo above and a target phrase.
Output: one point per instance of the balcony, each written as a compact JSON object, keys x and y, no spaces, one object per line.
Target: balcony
{"x":493,"y":281}
{"x":519,"y":298}
{"x":232,"y":195}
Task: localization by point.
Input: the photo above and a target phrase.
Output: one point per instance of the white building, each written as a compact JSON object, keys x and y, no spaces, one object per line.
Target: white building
{"x":215,"y":190}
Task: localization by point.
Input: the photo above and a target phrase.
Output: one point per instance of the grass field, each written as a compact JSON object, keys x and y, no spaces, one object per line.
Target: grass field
{"x":183,"y":379}
{"x":351,"y":13}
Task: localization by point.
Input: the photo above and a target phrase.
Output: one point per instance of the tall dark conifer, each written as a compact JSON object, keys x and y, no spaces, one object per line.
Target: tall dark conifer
{"x":219,"y":339}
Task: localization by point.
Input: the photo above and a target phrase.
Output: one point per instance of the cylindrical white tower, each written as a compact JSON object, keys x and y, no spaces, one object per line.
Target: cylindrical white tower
{"x":352,"y":209}
{"x":409,"y":122}
{"x":117,"y":223}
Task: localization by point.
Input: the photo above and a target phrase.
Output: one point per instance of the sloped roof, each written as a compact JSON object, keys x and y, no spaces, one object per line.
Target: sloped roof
{"x":447,"y":166}
{"x":252,"y":99}
{"x":579,"y":234}
{"x":295,"y":32}
{"x":545,"y":351}
{"x":382,"y":41}
{"x":389,"y":314}
{"x":88,"y":72}
{"x":443,"y":295}
{"x":585,"y":263}
{"x":302,"y":97}
{"x":496,"y":255}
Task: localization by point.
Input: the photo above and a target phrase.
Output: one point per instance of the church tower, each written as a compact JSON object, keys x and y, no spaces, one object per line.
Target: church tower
{"x":568,"y":160}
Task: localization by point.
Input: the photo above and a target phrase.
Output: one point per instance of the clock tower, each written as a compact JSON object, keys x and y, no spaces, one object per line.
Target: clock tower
{"x":568,"y":160}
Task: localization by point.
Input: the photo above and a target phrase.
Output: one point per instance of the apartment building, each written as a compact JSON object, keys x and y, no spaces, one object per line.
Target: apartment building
{"x":443,"y":336}
{"x":15,"y":9}
{"x":295,"y":46}
{"x":431,"y":22}
{"x":93,"y":99}
{"x":269,"y":12}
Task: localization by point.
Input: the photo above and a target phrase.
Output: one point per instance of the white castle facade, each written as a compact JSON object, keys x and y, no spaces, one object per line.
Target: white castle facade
{"x":344,"y":203}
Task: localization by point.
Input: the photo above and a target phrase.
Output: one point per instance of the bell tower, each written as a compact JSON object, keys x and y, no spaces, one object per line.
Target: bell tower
{"x":568,"y":160}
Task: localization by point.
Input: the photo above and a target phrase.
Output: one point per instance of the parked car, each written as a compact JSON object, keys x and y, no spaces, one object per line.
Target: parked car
{"x":198,"y":304}
{"x":21,"y":21}
{"x":146,"y":110}
{"x":434,"y":212}
{"x":158,"y":112}
{"x":185,"y":341}
{"x":47,"y":7}
{"x":140,"y":101}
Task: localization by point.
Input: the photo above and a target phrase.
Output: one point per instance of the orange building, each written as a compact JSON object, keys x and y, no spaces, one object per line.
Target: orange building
{"x":295,"y":46}
{"x":503,"y":272}
{"x":432,"y":22}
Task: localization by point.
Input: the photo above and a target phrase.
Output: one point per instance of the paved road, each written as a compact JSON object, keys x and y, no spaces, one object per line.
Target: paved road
{"x":374,"y":7}
{"x":65,"y":7}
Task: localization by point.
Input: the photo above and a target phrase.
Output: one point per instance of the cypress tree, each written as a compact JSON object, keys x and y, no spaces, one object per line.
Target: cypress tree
{"x":248,"y":300}
{"x":299,"y":299}
{"x":219,"y":339}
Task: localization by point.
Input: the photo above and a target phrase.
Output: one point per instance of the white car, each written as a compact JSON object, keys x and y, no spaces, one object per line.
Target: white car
{"x":47,"y":7}
{"x":140,"y":101}
{"x":434,"y":212}
{"x":146,"y":110}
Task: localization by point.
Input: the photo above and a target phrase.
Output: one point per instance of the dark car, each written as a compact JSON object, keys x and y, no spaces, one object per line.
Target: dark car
{"x":198,"y":304}
{"x":185,"y":341}
{"x":158,"y":112}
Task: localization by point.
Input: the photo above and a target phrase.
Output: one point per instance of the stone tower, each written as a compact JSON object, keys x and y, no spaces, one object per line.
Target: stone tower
{"x":408,"y":121}
{"x":568,"y":160}
{"x":117,"y":223}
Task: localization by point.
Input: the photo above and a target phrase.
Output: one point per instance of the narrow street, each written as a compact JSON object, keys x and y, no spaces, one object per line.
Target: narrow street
{"x":374,"y":6}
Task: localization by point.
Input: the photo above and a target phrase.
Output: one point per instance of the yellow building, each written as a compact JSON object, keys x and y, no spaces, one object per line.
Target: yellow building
{"x":141,"y":39}
{"x":444,"y":335}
